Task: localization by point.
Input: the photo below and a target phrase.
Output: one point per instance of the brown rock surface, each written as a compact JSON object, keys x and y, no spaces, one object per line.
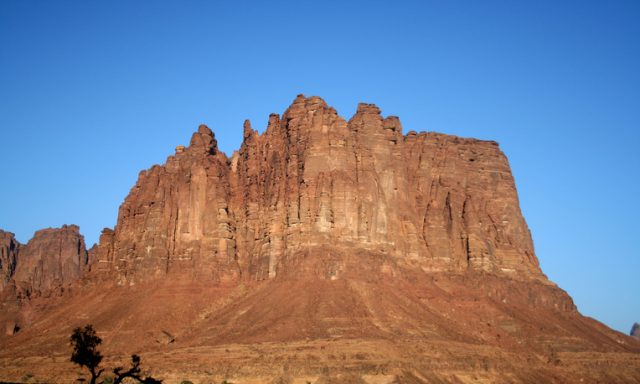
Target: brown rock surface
{"x":175,"y":219}
{"x":53,"y":258}
{"x":9,"y":247}
{"x":438,"y":202}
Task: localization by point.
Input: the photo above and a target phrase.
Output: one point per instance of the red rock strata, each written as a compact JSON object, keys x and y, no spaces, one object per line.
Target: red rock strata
{"x":433,"y":201}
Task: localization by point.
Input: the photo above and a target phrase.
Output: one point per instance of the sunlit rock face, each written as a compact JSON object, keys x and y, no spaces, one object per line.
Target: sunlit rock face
{"x":53,"y":258}
{"x":313,"y":179}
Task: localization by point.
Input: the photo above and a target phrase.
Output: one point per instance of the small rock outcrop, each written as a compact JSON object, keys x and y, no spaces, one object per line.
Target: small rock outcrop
{"x":9,"y":247}
{"x":52,"y":258}
{"x":635,"y":331}
{"x":11,"y":328}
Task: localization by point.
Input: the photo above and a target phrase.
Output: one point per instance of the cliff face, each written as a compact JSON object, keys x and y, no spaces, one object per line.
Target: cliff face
{"x":54,"y":257}
{"x":312,"y":180}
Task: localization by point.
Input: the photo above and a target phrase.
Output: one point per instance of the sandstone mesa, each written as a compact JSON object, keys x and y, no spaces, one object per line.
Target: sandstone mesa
{"x":405,"y":253}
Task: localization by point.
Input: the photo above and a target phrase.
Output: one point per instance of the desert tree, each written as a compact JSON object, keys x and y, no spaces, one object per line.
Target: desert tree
{"x":134,"y":373}
{"x":85,"y":353}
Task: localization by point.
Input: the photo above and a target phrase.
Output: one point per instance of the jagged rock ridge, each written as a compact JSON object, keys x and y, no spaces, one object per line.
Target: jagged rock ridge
{"x":435,"y":201}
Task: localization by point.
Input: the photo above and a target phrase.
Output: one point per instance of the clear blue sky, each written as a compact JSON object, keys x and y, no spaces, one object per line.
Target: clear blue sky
{"x":92,"y":92}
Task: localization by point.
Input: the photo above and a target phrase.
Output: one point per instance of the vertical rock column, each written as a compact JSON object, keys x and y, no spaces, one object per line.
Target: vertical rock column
{"x":9,"y":247}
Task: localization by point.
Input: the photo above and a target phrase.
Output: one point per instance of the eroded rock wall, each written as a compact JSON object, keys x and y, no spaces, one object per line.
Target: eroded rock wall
{"x":176,"y":218}
{"x":313,"y":179}
{"x":53,"y":258}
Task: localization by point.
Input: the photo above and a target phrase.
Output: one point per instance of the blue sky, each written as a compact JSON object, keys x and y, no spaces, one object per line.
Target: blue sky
{"x":92,"y":92}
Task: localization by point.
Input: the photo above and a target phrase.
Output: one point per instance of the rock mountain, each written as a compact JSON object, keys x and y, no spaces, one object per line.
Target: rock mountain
{"x":323,"y":250}
{"x":434,"y":201}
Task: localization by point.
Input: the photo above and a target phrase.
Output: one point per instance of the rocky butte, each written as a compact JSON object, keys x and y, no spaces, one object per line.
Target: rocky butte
{"x":323,"y":250}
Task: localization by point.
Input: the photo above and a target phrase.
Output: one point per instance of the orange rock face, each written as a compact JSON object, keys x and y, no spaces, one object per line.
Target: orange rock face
{"x":437,"y":202}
